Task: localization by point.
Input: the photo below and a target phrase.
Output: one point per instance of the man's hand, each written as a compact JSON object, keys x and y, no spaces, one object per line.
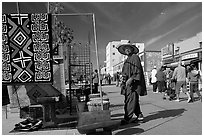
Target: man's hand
{"x":129,"y":81}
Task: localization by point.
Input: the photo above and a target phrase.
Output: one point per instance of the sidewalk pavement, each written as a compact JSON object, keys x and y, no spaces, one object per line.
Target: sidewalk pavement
{"x":161,"y":117}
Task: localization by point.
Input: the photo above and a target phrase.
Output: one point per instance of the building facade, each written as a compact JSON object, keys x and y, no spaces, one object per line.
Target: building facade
{"x":114,"y":60}
{"x":188,"y":51}
{"x":118,"y":64}
{"x":113,"y":57}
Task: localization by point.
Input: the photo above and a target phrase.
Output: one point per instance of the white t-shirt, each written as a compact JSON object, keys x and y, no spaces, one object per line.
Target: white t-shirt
{"x":153,"y":73}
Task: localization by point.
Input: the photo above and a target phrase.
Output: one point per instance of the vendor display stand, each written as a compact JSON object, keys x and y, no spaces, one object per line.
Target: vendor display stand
{"x":48,"y":105}
{"x":97,"y":118}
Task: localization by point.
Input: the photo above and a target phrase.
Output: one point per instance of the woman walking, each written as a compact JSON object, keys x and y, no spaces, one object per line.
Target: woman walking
{"x":193,"y":78}
{"x":161,"y":77}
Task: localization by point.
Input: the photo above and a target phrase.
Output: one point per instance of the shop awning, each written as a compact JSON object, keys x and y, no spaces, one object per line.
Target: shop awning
{"x":175,"y":64}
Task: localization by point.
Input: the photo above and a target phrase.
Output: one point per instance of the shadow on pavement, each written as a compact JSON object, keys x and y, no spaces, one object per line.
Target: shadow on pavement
{"x":131,"y":124}
{"x":164,"y":114}
{"x":185,"y":99}
{"x":130,"y":131}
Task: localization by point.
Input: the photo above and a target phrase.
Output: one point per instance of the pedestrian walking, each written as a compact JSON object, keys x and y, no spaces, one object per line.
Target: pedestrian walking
{"x":134,"y":82}
{"x":117,"y":79}
{"x":179,"y":75}
{"x":95,"y":81}
{"x":154,"y":79}
{"x":165,"y":72}
{"x":193,"y":79}
{"x":109,"y":79}
{"x":170,"y":85}
{"x":161,"y":78}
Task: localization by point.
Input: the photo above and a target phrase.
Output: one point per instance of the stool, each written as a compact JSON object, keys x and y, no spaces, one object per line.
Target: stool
{"x":37,"y":112}
{"x":48,"y":103}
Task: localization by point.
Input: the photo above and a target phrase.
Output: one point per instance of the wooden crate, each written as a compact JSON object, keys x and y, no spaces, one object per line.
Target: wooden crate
{"x":89,"y":122}
{"x":37,"y":112}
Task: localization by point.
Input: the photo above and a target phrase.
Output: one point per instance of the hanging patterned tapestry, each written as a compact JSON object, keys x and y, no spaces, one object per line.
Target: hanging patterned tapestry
{"x":26,"y":48}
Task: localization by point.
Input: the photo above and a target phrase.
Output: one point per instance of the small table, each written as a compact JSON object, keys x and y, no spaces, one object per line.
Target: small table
{"x":81,"y":91}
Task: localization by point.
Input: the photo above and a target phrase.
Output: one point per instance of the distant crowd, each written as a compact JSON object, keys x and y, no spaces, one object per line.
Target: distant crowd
{"x":172,"y":81}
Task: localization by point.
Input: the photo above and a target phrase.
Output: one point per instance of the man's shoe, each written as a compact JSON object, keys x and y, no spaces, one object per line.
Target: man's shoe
{"x":189,"y":100}
{"x":124,"y":122}
{"x":140,"y":117}
{"x":200,"y":98}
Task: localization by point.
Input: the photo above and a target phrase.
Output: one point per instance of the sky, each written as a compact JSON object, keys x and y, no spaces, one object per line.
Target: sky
{"x":153,"y":23}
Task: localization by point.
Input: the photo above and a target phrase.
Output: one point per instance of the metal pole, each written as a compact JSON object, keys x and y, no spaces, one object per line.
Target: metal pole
{"x":70,"y":79}
{"x":97,"y":60}
{"x":48,"y":7}
{"x":13,"y":88}
{"x":6,"y":112}
{"x":18,"y":7}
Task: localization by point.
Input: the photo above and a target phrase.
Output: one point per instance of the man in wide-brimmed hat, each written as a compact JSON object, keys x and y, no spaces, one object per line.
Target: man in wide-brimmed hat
{"x":133,"y":82}
{"x":122,"y":47}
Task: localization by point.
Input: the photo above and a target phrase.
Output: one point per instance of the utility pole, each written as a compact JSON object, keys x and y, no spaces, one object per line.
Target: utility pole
{"x":97,"y":60}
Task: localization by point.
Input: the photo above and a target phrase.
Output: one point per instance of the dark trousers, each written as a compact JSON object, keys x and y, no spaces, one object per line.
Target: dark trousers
{"x":154,"y":86}
{"x":5,"y":95}
{"x":194,"y":89}
{"x":117,"y":82}
{"x":132,"y":105}
{"x":161,"y":86}
{"x":95,"y":88}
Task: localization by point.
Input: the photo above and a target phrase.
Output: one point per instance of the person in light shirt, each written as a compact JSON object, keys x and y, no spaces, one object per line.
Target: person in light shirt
{"x":154,"y":79}
{"x":193,"y":78}
{"x":179,"y":75}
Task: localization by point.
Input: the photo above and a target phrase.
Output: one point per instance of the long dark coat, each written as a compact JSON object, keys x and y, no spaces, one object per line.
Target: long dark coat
{"x":132,"y":68}
{"x":5,"y":95}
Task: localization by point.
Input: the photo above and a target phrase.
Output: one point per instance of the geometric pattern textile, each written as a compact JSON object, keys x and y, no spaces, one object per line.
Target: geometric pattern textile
{"x":27,"y":48}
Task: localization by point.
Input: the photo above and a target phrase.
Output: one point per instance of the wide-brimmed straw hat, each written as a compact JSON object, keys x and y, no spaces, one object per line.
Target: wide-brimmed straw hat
{"x":121,"y":48}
